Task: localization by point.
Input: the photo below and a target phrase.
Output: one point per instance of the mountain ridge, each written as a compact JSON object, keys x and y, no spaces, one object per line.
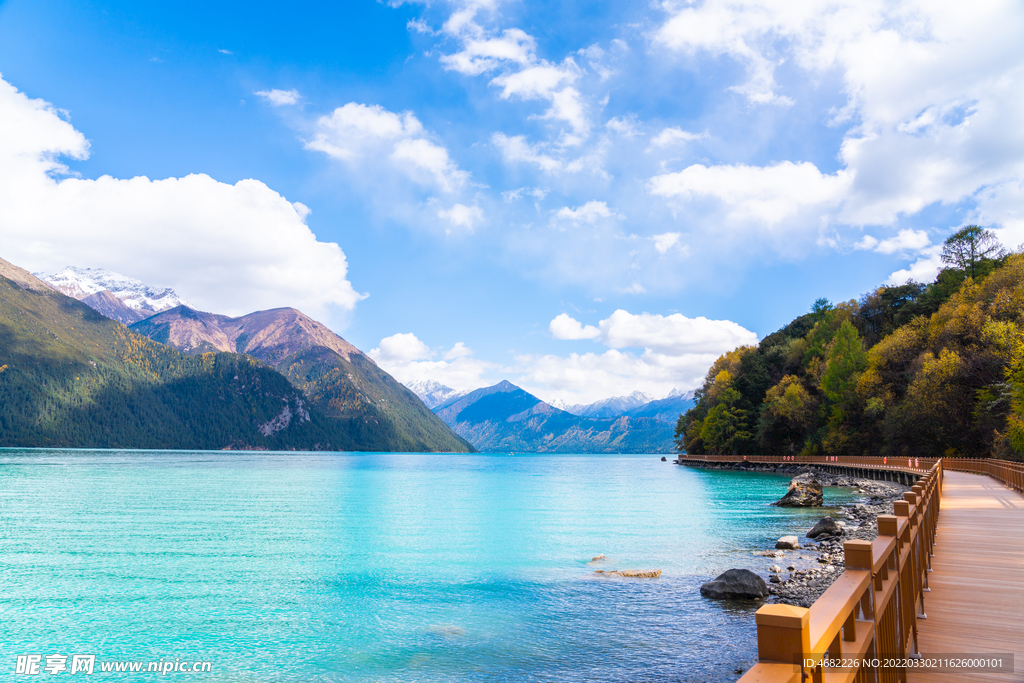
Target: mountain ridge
{"x":80,"y":283}
{"x":504,"y":417}
{"x":335,"y":376}
{"x":71,"y":377}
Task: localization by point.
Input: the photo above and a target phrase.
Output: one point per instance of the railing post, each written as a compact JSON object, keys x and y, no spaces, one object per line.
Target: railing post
{"x":783,"y":634}
{"x":908,"y":578}
{"x":858,"y":556}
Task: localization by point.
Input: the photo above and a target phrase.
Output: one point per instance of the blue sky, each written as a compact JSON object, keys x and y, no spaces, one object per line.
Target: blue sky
{"x":584,"y":198}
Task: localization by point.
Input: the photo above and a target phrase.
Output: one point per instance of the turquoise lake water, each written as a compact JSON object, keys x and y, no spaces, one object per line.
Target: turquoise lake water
{"x":380,"y":567}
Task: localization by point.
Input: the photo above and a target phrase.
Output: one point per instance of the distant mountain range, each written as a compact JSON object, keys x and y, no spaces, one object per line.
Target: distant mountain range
{"x":637,"y":404}
{"x":504,"y":417}
{"x":609,"y":407}
{"x":72,"y":376}
{"x":282,"y":380}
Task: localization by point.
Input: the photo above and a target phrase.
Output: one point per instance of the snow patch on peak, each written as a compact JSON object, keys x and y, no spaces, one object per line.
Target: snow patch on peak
{"x":79,"y":283}
{"x":609,"y":407}
{"x":678,"y":393}
{"x":433,"y":393}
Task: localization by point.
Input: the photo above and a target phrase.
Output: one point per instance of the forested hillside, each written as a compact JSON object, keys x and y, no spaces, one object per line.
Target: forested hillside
{"x":72,"y":377}
{"x":913,"y":369}
{"x":340,"y":381}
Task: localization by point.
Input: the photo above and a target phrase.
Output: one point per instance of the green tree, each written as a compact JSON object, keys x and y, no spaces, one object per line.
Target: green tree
{"x":725,"y":429}
{"x":970,"y":246}
{"x":846,"y":360}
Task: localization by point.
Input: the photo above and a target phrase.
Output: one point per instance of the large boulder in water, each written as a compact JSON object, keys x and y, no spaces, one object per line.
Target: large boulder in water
{"x":825,"y":528}
{"x":805,"y":491}
{"x":736,"y":584}
{"x":788,"y":543}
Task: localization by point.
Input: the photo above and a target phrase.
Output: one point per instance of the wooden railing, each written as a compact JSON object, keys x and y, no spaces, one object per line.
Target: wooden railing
{"x":1009,"y":473}
{"x":871,"y":610}
{"x":911,"y":465}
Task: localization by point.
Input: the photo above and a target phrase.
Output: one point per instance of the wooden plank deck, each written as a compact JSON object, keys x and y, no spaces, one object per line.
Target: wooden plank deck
{"x":976,"y":603}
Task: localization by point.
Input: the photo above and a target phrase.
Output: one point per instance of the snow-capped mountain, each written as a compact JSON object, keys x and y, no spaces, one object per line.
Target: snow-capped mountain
{"x":433,"y":393}
{"x":678,"y":393}
{"x":608,"y":407}
{"x":80,"y":283}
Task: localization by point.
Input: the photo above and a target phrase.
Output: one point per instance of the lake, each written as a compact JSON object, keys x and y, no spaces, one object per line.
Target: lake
{"x":381,"y":567}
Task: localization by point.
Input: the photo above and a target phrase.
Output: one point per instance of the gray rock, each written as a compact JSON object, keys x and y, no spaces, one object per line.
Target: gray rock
{"x":788,"y":543}
{"x":736,"y":584}
{"x":826,"y":526}
{"x":774,"y":578}
{"x":805,"y":491}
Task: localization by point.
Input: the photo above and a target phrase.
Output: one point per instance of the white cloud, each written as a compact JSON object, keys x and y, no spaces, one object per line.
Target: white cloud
{"x":480,"y":55}
{"x":626,"y":126}
{"x":225,"y":52}
{"x":935,"y":91}
{"x":408,"y":359}
{"x":566,"y":327}
{"x":524,"y":76}
{"x":424,"y":155}
{"x":349,"y":129}
{"x":866,"y":243}
{"x":674,"y":136}
{"x":400,"y":348}
{"x":278,"y":98}
{"x":462,"y":216}
{"x":1003,"y":205}
{"x":905,"y":241}
{"x":538,"y":193}
{"x":590,"y":212}
{"x":923,"y":269}
{"x":589,"y":377}
{"x":545,"y":81}
{"x":226,"y":248}
{"x":517,"y":149}
{"x":673,"y":334}
{"x":677,"y":352}
{"x":460,"y":350}
{"x":419,"y":26}
{"x":665,"y":241}
{"x":768,"y":195}
{"x":358,"y":130}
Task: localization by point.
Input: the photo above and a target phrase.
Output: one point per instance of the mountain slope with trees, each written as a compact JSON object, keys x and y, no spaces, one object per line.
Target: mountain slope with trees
{"x":908,"y":370}
{"x":339,"y":380}
{"x":71,"y":377}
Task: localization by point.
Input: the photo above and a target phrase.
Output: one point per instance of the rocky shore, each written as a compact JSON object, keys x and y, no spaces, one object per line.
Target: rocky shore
{"x":799,"y":576}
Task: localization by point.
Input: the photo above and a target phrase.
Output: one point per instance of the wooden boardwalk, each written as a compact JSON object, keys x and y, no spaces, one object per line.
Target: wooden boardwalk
{"x":976,"y":603}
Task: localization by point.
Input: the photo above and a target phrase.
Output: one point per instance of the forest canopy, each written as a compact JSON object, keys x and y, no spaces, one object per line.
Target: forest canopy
{"x":912,"y":369}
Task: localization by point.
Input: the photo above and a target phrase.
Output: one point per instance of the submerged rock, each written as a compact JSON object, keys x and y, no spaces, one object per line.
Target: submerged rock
{"x":805,"y":491}
{"x":598,"y":558}
{"x":788,"y":543}
{"x":825,"y":527}
{"x":632,"y":573}
{"x":736,"y":584}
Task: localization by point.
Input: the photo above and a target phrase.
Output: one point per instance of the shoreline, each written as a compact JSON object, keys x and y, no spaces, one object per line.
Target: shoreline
{"x":805,"y":573}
